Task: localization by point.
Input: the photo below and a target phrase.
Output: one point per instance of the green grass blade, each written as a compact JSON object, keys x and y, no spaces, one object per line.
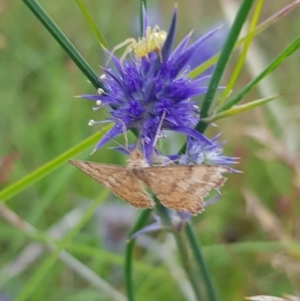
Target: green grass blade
{"x":188,"y":265}
{"x":92,"y":24}
{"x":64,"y":42}
{"x":224,"y":56}
{"x":143,"y":4}
{"x":197,"y":252}
{"x":291,"y":48}
{"x":261,"y":27}
{"x":140,"y":222}
{"x":234,"y":110}
{"x":49,"y":167}
{"x":242,"y":58}
{"x":50,"y":261}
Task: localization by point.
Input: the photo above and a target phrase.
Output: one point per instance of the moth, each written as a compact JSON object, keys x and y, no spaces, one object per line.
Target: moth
{"x":178,"y":187}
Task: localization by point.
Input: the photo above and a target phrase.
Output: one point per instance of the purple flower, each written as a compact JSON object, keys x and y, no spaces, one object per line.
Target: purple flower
{"x":153,"y":93}
{"x":198,"y":152}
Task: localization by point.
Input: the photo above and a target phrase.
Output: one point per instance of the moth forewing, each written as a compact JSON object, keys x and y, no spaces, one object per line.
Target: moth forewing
{"x":183,"y":188}
{"x":120,"y":180}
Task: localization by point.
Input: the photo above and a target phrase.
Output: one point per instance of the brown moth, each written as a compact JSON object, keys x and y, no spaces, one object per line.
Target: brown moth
{"x":178,"y":187}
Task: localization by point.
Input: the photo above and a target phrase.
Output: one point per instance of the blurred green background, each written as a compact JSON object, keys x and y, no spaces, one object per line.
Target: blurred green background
{"x":249,"y":237}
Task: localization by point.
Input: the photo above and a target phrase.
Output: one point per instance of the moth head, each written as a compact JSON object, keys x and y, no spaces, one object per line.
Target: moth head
{"x":136,"y":159}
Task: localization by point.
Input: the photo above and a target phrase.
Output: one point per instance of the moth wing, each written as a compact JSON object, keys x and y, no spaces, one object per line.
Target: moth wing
{"x":119,"y":180}
{"x":183,"y":188}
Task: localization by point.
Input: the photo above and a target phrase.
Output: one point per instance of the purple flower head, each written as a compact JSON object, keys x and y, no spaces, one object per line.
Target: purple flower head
{"x":198,"y":152}
{"x":152,"y":92}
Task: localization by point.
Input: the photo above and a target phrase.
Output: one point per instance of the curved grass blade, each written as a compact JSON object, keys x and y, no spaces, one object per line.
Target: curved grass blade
{"x":92,"y":24}
{"x":49,"y":167}
{"x":69,"y":260}
{"x":261,"y":27}
{"x":242,"y":58}
{"x":224,"y":56}
{"x":291,"y":48}
{"x":63,"y":244}
{"x":241,"y":108}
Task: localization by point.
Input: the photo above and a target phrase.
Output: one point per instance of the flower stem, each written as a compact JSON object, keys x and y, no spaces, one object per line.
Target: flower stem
{"x":183,"y":252}
{"x":186,"y":263}
{"x":142,"y":219}
{"x":143,"y":5}
{"x":225,"y":55}
{"x":196,"y":248}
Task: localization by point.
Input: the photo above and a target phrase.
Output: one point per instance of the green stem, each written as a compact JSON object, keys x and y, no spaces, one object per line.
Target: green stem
{"x":143,"y":5}
{"x":140,"y":222}
{"x":196,"y":248}
{"x":186,"y":263}
{"x":183,"y":253}
{"x":221,"y":64}
{"x":184,"y":256}
{"x":224,"y":56}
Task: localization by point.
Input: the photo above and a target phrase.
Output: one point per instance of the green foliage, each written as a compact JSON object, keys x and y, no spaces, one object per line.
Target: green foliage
{"x":40,"y":120}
